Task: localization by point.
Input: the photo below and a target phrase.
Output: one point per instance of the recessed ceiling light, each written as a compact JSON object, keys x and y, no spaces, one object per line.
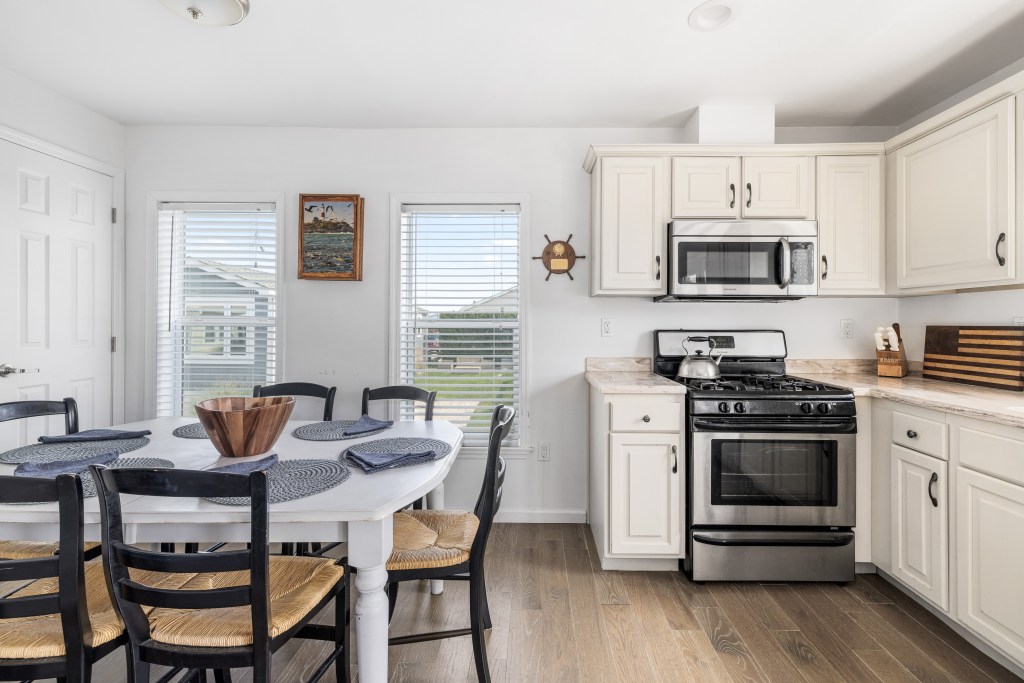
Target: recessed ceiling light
{"x":712,"y":15}
{"x":209,"y":12}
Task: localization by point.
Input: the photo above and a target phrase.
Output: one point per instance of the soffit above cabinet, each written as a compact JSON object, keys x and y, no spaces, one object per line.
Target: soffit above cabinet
{"x":675,"y":150}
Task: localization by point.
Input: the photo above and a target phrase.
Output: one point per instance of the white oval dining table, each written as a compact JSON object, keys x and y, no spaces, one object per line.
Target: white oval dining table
{"x":359,"y":511}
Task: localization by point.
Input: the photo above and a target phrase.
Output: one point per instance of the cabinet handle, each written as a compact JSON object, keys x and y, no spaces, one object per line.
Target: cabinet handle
{"x":935,"y":478}
{"x":657,"y":261}
{"x":675,"y":460}
{"x":647,"y":418}
{"x":732,"y":202}
{"x":750,"y":195}
{"x":824,"y":261}
{"x":911,"y":434}
{"x":1000,"y":240}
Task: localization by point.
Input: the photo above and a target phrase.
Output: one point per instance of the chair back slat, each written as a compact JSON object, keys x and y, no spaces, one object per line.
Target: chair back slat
{"x":404,"y":392}
{"x":30,"y":606}
{"x":21,"y":410}
{"x":130,"y":596}
{"x":28,"y":570}
{"x":300,"y":389}
{"x":494,"y":476}
{"x":27,"y":490}
{"x":194,"y":563}
{"x":173,"y":598}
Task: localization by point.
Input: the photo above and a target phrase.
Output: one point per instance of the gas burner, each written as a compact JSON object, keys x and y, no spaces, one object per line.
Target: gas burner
{"x":713,"y":384}
{"x":784,"y":383}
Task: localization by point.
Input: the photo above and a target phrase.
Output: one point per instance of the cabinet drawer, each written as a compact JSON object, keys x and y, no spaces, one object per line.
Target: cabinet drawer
{"x":645,"y":417}
{"x":919,"y":433}
{"x":994,"y":454}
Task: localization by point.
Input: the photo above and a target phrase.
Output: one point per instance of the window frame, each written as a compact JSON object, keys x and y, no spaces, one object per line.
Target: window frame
{"x":153,"y":201}
{"x":525,"y":449}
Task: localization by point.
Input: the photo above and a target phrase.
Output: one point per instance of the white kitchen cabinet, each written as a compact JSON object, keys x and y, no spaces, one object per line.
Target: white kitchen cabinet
{"x":990,"y":558}
{"x":645,"y":510}
{"x":851,"y":219}
{"x":631,"y":210}
{"x":778,"y":187}
{"x":705,"y":187}
{"x":955,"y":203}
{"x":919,"y":536}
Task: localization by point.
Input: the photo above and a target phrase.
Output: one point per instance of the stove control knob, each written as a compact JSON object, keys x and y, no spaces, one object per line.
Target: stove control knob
{"x":740,"y":408}
{"x":806,"y":408}
{"x":723,"y":407}
{"x":824,"y":408}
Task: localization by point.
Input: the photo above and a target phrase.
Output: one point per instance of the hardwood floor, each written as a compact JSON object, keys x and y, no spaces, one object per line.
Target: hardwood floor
{"x":558,"y":618}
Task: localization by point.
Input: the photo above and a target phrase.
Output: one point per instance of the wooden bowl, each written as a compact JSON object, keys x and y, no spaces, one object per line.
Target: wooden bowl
{"x":240,"y":427}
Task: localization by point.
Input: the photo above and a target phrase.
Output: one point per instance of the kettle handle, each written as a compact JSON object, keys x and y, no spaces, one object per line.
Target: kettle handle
{"x":708,"y":340}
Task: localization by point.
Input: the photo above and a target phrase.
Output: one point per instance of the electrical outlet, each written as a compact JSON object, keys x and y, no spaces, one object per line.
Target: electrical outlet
{"x":846,"y":329}
{"x":1018,"y":321}
{"x":607,"y":327}
{"x":544,"y":451}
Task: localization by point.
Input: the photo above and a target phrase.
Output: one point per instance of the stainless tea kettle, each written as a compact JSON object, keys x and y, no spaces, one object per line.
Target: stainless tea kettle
{"x":699,"y":366}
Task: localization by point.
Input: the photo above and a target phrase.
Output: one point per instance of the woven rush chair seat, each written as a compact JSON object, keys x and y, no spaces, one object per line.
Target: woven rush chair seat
{"x":427,"y":539}
{"x":43,"y":636}
{"x":296,"y":585}
{"x":27,"y":550}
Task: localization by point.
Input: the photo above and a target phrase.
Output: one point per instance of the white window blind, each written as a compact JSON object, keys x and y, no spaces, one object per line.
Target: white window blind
{"x":216,"y":302}
{"x":459,"y":315}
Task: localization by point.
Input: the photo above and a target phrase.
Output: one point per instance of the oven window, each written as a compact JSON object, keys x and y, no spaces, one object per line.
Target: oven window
{"x":774,"y":472}
{"x":728,"y":263}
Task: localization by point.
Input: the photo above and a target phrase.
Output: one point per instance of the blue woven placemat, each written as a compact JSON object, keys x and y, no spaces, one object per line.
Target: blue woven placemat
{"x":294,"y":479}
{"x":330,"y":431}
{"x":69,"y":452}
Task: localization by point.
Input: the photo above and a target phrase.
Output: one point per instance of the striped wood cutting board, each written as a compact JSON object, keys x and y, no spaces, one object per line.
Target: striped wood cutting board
{"x":983,"y":355}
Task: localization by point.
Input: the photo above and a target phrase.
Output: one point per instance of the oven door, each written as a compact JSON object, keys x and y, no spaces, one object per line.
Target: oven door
{"x":773,"y":478}
{"x":717,"y":265}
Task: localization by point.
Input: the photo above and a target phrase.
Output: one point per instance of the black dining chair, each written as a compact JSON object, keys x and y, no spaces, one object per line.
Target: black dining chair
{"x":313,"y":391}
{"x":23,"y":410}
{"x":300,"y":389}
{"x":450,"y":545}
{"x":239,"y":606}
{"x":405,"y":392}
{"x":61,"y":623}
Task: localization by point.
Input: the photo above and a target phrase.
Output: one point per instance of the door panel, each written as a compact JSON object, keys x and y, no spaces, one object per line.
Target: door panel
{"x":920,"y":536}
{"x":645,"y":494}
{"x":778,"y":187}
{"x":705,"y":187}
{"x":633,"y":225}
{"x":850,"y":220}
{"x":55,"y":265}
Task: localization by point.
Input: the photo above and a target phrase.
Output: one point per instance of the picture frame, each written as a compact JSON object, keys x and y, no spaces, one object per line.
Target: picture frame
{"x":330,"y":237}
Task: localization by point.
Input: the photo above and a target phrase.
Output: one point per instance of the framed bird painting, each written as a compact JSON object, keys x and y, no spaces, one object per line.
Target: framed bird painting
{"x":330,"y":237}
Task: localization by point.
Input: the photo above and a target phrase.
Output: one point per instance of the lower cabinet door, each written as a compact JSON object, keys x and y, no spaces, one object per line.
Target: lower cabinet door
{"x":990,"y":560}
{"x":920,"y":537}
{"x":645,"y":497}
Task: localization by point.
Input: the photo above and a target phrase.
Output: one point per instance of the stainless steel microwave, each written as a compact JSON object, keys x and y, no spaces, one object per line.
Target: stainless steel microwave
{"x":731,"y":259}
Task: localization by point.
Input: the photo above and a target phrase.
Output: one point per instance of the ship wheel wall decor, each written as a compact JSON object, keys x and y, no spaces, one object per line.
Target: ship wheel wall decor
{"x":558,"y":257}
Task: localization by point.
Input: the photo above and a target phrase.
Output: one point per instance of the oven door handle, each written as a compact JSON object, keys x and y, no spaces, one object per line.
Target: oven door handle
{"x":769,"y":426}
{"x":803,"y":539}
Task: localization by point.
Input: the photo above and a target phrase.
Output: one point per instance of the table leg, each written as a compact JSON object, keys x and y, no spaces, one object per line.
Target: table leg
{"x":369,"y":546}
{"x":435,"y":501}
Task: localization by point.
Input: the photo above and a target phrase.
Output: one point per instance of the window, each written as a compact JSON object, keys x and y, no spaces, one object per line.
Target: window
{"x":216,"y":302}
{"x":459,"y":317}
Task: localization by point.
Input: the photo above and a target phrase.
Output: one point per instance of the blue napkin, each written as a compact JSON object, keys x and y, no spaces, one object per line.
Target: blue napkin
{"x":376,"y":462}
{"x":95,"y":435}
{"x":366,"y":424}
{"x":247,"y":467}
{"x":50,"y":470}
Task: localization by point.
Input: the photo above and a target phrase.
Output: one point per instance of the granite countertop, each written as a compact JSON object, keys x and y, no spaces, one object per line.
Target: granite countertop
{"x":620,"y":382}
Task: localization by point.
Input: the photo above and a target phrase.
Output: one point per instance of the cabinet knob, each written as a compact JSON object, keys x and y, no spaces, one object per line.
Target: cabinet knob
{"x":911,"y":434}
{"x":647,"y":418}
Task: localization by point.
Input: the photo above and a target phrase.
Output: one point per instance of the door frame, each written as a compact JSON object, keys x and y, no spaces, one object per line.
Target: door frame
{"x":117,"y":252}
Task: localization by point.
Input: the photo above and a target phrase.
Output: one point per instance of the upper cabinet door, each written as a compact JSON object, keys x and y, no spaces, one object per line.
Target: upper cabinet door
{"x":955,"y":203}
{"x":632,"y":194}
{"x":778,"y":187}
{"x":850,"y":219}
{"x":705,"y":187}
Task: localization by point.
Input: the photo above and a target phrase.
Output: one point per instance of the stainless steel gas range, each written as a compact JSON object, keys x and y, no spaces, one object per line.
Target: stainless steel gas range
{"x":771,"y":464}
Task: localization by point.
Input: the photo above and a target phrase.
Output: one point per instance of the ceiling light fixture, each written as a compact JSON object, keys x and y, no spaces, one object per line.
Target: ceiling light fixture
{"x":209,"y":12}
{"x":712,"y":15}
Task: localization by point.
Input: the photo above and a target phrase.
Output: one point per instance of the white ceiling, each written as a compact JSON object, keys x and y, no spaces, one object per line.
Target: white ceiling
{"x":485,"y":63}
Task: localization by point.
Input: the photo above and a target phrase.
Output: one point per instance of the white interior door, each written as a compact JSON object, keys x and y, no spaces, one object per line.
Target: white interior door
{"x":55,"y":276}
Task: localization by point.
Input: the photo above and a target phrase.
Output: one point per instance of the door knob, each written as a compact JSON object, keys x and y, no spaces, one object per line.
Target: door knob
{"x":6,"y":370}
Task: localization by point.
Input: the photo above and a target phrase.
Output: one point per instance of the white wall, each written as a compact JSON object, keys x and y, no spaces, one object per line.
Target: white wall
{"x":341,"y":327}
{"x":965,"y":308}
{"x":30,"y":108}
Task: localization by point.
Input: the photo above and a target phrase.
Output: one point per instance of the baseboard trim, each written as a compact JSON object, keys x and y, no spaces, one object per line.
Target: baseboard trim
{"x":542,"y":516}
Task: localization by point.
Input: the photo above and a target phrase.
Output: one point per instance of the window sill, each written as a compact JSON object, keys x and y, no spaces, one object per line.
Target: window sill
{"x":509,"y":453}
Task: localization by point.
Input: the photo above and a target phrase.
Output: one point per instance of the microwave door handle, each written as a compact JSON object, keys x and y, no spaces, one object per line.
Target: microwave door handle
{"x":787,"y":263}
